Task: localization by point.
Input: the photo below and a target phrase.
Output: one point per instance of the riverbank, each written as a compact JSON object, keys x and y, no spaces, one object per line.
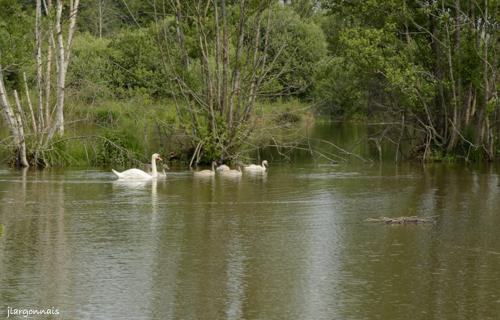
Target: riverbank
{"x":120,"y":133}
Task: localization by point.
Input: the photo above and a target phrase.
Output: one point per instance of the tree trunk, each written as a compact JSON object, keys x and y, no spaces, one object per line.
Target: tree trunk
{"x":63,"y":53}
{"x":235,"y":91}
{"x":439,"y":73}
{"x":455,"y":123}
{"x":28,"y":99}
{"x":15,"y":126}
{"x":486,"y":83}
{"x":180,"y":33}
{"x":225,"y":55}
{"x":100,"y":18}
{"x":61,"y":74}
{"x":38,"y":41}
{"x":48,"y":71}
{"x":21,"y":160}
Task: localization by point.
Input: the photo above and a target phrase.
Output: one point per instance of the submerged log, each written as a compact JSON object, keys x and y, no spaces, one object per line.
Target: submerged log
{"x":402,"y":220}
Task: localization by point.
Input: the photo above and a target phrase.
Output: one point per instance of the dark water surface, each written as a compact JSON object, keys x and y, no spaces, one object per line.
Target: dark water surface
{"x":293,"y":244}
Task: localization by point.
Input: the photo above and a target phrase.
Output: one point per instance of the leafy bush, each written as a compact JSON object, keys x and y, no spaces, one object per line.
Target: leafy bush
{"x":89,"y":75}
{"x":287,"y":117}
{"x":136,"y":65}
{"x":106,"y":117}
{"x":298,"y":44}
{"x":16,"y":42}
{"x":336,"y":91}
{"x":118,"y":147}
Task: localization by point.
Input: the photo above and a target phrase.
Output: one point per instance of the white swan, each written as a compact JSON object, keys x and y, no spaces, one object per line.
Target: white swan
{"x":206,"y":173}
{"x":137,"y":174}
{"x":256,"y":167}
{"x":223,"y":167}
{"x":161,"y":174}
{"x":231,"y":173}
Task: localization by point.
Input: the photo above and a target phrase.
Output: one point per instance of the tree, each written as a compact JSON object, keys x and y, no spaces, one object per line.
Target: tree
{"x":299,"y":45}
{"x":218,"y":67}
{"x":14,"y":122}
{"x":431,"y":63}
{"x":63,"y":54}
{"x":43,"y":128}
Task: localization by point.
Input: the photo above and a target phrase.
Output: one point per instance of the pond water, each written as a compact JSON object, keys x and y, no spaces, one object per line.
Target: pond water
{"x":292,"y":244}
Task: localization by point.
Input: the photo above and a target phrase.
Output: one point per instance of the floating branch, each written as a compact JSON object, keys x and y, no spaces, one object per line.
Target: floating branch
{"x":402,"y":220}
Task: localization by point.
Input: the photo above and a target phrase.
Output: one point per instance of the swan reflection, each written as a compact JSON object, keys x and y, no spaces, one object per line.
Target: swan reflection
{"x":132,"y":184}
{"x":134,"y":191}
{"x":256,"y":175}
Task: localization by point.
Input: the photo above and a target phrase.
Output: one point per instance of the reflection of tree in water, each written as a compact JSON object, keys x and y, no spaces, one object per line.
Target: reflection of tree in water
{"x":294,"y":244}
{"x":199,"y":254}
{"x":37,"y":249}
{"x":236,"y":273}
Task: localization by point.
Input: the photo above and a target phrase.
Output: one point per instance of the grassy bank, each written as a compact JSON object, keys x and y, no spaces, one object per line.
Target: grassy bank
{"x":121,"y":133}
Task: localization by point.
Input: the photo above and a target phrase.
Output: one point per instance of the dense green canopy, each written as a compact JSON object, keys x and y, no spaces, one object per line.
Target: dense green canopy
{"x":427,"y":68}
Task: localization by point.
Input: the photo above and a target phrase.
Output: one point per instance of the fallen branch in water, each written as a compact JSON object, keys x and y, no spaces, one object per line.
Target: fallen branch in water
{"x":344,"y":150}
{"x":402,"y":220}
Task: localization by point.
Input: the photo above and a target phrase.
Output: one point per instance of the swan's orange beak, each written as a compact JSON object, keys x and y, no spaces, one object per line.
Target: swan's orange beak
{"x":159,"y":158}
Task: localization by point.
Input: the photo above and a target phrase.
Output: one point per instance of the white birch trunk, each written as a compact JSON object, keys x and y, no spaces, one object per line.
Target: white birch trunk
{"x":30,"y":106}
{"x":15,"y":125}
{"x":63,"y":54}
{"x":48,"y":70}
{"x":21,"y":151}
{"x":61,"y":74}
{"x":38,"y":43}
{"x":48,"y":81}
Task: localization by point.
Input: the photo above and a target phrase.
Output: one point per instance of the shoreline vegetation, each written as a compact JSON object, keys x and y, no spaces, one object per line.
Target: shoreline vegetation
{"x":118,"y":133}
{"x":102,"y":83}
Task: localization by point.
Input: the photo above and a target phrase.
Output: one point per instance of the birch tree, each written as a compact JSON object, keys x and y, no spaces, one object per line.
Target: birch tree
{"x":22,"y":121}
{"x":63,"y":55}
{"x":15,"y":125}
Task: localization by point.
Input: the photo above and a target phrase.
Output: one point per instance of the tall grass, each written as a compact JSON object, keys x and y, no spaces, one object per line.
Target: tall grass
{"x":121,"y":133}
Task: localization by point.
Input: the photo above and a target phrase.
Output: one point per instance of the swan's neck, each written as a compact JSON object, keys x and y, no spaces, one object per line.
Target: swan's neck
{"x":213,"y":166}
{"x":263,"y":164}
{"x":154,"y":173}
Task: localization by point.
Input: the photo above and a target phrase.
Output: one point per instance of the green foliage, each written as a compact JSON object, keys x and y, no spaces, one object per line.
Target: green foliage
{"x":105,"y":117}
{"x":298,"y":45}
{"x":372,"y":61}
{"x":337,"y":91}
{"x":136,"y":65}
{"x":128,"y":65}
{"x":63,"y":152}
{"x":304,"y":8}
{"x":118,"y":147}
{"x":287,"y":117}
{"x":106,"y":18}
{"x":430,"y":61}
{"x":91,"y":71}
{"x":16,"y":41}
{"x":439,"y":155}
